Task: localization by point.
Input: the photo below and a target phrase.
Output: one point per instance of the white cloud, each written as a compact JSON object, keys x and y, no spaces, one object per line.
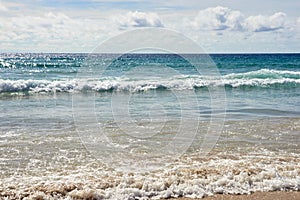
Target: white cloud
{"x":218,"y":18}
{"x":262,"y":23}
{"x":47,"y":26}
{"x":53,"y":31}
{"x":3,"y":8}
{"x":139,"y":19}
{"x":298,"y":20}
{"x":222,"y":18}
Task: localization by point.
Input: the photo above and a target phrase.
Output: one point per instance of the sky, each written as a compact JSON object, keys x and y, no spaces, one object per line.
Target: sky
{"x":218,"y":26}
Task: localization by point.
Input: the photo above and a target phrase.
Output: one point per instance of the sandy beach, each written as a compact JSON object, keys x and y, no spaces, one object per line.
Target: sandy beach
{"x":278,"y":195}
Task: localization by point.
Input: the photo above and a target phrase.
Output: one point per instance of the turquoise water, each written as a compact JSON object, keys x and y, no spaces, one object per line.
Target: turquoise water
{"x":257,"y":85}
{"x":63,"y":121}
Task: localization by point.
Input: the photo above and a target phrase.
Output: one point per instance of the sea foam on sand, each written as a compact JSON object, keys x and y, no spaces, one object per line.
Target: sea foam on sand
{"x":190,"y":176}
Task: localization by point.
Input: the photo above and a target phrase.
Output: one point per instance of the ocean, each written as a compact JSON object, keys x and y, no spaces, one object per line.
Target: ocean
{"x":148,"y":126}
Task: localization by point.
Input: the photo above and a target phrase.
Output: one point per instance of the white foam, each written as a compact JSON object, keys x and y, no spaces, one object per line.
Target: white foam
{"x":123,"y":84}
{"x":266,"y":72}
{"x":189,"y":177}
{"x":3,"y":63}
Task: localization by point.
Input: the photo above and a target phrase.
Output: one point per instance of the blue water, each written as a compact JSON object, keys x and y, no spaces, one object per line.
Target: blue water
{"x":256,"y":85}
{"x":74,"y":125}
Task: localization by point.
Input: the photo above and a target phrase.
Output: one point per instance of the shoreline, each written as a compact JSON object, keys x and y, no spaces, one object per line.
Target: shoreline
{"x":272,"y":195}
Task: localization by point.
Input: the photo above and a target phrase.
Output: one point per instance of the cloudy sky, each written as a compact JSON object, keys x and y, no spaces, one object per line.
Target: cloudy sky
{"x":216,"y":25}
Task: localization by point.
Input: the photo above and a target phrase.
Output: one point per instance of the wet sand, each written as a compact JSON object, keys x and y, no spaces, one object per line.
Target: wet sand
{"x":279,"y":195}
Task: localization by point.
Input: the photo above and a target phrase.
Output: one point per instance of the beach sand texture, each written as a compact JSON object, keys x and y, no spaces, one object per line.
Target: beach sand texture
{"x":278,"y":195}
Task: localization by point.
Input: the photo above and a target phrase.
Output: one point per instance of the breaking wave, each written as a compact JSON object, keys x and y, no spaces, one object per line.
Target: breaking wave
{"x":263,"y":78}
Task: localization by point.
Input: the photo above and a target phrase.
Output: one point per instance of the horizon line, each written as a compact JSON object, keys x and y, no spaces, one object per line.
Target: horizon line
{"x":150,"y":53}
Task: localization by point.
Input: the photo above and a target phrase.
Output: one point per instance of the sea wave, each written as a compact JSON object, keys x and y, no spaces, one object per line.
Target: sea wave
{"x":261,"y":78}
{"x":265,"y":74}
